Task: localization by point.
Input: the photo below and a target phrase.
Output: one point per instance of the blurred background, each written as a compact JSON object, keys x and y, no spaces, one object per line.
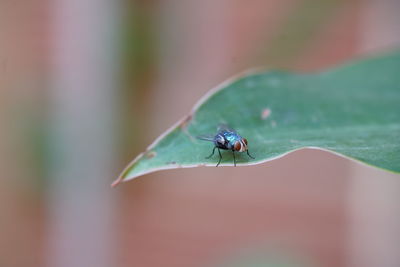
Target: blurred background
{"x":85,"y":85}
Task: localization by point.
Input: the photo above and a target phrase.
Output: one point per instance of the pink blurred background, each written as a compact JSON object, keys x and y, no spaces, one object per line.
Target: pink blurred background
{"x":85,"y":85}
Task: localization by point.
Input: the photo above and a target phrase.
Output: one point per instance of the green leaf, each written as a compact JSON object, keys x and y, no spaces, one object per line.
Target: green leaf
{"x":353,"y":110}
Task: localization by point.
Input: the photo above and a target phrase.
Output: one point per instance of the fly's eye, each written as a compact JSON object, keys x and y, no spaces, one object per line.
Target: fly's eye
{"x":237,"y":146}
{"x":245,"y":141}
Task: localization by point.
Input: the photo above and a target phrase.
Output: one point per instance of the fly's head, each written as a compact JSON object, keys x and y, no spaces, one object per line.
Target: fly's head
{"x":240,"y":145}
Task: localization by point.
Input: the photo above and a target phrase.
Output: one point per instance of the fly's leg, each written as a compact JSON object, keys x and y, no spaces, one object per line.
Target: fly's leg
{"x":211,"y":153}
{"x":220,"y":157}
{"x":234,"y":158}
{"x":250,"y":155}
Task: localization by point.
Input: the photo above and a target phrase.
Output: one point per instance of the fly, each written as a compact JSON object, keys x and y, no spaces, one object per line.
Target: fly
{"x":227,"y":139}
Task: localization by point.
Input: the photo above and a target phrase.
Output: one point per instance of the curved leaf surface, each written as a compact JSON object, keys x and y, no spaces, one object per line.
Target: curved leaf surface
{"x":352,"y":110}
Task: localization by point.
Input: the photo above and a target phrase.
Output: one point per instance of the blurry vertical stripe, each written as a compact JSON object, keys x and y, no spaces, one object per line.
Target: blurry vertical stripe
{"x":374,"y":210}
{"x":302,"y":24}
{"x":380,"y":25}
{"x":83,"y":108}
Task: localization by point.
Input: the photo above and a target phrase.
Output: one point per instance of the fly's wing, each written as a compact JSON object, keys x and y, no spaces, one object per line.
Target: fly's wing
{"x":206,"y":137}
{"x":223,"y":127}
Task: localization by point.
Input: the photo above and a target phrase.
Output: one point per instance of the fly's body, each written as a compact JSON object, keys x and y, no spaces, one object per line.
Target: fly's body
{"x":227,"y":139}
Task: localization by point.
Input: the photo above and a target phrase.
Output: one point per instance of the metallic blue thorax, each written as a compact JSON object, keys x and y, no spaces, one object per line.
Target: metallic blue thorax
{"x":231,"y":138}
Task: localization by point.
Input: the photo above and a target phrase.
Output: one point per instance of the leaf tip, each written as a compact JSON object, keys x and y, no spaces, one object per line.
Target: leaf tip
{"x":123,"y":176}
{"x":116,"y":182}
